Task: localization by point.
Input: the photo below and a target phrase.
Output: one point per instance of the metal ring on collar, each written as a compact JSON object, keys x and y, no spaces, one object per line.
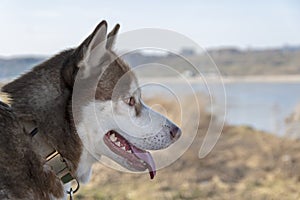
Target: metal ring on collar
{"x":71,"y":191}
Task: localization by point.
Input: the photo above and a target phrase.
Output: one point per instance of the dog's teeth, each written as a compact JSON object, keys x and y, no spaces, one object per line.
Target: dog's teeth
{"x":128,"y":151}
{"x":123,"y":148}
{"x":118,"y":143}
{"x":113,"y":138}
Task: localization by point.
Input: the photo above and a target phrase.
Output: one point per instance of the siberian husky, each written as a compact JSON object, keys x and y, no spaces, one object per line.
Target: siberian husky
{"x":117,"y":125}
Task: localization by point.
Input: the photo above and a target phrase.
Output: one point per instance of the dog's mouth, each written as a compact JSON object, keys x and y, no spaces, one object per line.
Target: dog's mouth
{"x":137,"y":158}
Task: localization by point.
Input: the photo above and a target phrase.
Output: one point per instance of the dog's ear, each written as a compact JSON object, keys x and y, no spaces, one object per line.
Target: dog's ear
{"x":90,"y":54}
{"x":93,"y":49}
{"x":111,"y":38}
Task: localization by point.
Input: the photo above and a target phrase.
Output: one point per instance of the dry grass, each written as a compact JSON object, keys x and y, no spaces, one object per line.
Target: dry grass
{"x":245,"y":164}
{"x":3,"y":97}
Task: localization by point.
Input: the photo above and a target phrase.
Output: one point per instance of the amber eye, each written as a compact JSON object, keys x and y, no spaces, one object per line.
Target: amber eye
{"x":130,"y":101}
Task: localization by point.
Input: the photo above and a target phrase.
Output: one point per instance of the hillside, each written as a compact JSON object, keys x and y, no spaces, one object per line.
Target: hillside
{"x":235,"y":62}
{"x":259,"y":62}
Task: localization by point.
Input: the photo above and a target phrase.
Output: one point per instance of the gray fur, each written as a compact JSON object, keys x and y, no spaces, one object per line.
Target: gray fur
{"x":41,"y":97}
{"x":22,"y":172}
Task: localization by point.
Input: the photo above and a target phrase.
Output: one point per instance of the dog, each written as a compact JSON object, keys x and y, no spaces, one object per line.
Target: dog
{"x":85,"y":103}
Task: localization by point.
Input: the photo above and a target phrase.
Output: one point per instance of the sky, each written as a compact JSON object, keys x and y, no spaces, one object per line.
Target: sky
{"x":47,"y":27}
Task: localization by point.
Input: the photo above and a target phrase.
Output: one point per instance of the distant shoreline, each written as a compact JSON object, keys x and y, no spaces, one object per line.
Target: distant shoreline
{"x":263,"y":79}
{"x":230,"y":79}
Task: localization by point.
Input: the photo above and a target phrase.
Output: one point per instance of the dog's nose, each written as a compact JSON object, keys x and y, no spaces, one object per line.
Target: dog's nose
{"x":175,"y":133}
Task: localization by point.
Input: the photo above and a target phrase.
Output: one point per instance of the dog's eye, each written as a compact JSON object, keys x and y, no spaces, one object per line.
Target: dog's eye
{"x":130,"y":101}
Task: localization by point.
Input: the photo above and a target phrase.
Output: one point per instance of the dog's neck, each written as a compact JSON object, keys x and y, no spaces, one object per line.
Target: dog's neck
{"x":47,"y":106}
{"x":44,"y":149}
{"x":39,"y":144}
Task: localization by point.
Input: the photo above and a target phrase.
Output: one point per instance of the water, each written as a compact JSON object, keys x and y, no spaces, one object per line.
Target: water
{"x":263,"y":106}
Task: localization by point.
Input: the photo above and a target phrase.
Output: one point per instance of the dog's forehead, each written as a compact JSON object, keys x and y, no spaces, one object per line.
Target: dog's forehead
{"x":117,"y":80}
{"x":128,"y":85}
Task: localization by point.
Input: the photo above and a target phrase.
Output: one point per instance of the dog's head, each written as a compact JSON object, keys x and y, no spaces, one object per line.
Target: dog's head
{"x":113,"y":120}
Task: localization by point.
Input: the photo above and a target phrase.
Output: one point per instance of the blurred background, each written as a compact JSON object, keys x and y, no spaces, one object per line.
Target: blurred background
{"x":256,"y":48}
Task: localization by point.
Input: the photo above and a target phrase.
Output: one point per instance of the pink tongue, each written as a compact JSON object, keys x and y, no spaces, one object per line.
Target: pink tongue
{"x":147,"y":158}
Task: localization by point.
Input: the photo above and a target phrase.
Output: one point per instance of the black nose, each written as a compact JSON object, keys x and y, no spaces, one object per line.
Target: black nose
{"x":175,"y":133}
